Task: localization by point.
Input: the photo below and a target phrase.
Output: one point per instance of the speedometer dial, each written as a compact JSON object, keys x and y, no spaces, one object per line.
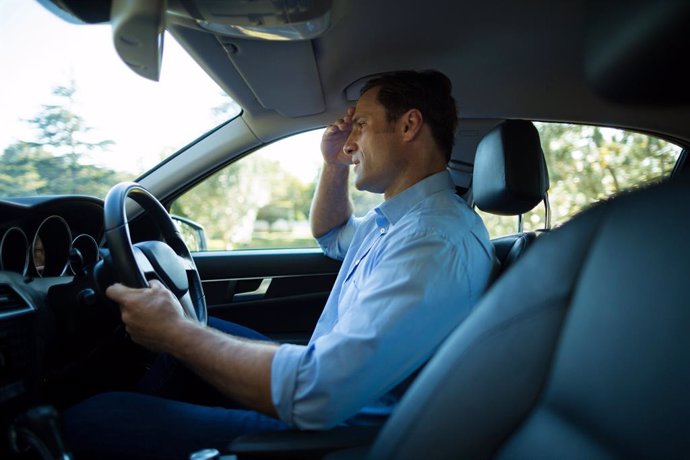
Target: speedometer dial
{"x":51,"y":246}
{"x":88,"y":251}
{"x":14,"y":251}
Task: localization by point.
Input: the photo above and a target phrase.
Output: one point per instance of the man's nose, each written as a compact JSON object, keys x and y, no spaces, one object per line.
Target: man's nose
{"x":350,"y":146}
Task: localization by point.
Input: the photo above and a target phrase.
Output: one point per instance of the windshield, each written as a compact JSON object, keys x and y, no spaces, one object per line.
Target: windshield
{"x":75,"y":119}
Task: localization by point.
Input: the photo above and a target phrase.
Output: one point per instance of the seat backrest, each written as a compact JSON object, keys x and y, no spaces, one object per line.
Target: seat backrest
{"x":581,"y":350}
{"x":510,"y":178}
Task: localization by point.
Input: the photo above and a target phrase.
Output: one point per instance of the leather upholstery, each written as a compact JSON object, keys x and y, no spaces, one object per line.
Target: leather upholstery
{"x":581,"y":350}
{"x":509,"y":248}
{"x":510,"y":175}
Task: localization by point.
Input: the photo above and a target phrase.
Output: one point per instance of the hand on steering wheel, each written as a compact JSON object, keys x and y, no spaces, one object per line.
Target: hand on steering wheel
{"x":168,"y":261}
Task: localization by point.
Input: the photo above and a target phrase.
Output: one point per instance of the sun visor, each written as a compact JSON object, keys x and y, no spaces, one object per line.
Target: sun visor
{"x":259,"y":62}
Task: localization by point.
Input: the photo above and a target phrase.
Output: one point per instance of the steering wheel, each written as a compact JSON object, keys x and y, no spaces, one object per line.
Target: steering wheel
{"x":168,"y":261}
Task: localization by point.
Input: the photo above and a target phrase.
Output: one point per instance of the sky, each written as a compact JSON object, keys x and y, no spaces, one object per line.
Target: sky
{"x":39,"y":51}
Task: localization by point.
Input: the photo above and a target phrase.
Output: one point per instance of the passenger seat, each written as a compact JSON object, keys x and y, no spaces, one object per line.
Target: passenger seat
{"x":510,"y":178}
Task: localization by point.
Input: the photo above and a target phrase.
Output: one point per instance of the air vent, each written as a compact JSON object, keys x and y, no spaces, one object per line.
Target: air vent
{"x":10,"y":301}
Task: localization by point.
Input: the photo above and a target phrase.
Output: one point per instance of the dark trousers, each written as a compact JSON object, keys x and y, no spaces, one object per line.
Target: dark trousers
{"x":172,"y":414}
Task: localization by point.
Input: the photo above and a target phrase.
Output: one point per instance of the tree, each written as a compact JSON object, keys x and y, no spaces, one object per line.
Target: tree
{"x":57,"y":160}
{"x":20,"y":170}
{"x":226,"y":204}
{"x":229,"y":203}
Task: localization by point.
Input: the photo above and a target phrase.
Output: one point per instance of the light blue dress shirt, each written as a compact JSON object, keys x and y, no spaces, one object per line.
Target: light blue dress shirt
{"x":412,"y":270}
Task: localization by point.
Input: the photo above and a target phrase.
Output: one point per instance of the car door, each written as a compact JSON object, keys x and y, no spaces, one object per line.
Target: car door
{"x":280,"y":293}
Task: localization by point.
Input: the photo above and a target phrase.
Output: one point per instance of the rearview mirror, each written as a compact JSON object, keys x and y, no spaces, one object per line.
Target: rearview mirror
{"x":138,"y":31}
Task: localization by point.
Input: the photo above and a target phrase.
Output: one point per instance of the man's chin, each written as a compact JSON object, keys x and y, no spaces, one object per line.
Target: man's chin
{"x":364,"y":187}
{"x":360,"y":184}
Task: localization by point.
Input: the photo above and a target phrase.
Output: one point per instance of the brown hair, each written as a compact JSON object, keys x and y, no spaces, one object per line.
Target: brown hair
{"x":429,"y":92}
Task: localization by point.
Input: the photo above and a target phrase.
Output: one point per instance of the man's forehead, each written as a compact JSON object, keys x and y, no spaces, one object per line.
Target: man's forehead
{"x":368,"y":102}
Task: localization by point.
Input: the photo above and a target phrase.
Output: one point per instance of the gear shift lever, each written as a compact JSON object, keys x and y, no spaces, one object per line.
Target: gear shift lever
{"x":37,"y":429}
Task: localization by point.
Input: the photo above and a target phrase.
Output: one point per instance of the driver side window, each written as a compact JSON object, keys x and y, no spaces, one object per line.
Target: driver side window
{"x":260,"y":201}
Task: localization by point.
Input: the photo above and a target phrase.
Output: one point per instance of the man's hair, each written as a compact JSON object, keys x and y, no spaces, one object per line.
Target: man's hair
{"x":429,"y":92}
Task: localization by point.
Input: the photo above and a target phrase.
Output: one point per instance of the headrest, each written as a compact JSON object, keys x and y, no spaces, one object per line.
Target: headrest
{"x":510,"y":175}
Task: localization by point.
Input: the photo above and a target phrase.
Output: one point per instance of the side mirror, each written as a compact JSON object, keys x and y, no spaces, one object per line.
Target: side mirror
{"x":193,"y":233}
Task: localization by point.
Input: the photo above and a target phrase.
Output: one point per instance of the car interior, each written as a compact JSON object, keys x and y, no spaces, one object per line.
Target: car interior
{"x":579,"y":348}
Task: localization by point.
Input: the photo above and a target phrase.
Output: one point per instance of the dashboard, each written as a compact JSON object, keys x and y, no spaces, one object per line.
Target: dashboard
{"x":45,"y":242}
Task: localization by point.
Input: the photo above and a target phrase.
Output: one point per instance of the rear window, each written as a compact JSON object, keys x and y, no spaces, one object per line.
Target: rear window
{"x":588,"y":164}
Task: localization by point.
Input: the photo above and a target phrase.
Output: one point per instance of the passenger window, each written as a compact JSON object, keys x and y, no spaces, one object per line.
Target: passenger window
{"x":588,"y":164}
{"x":260,"y":201}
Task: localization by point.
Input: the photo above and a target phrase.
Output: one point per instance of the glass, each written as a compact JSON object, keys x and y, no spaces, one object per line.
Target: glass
{"x":262,"y":201}
{"x":588,"y":164}
{"x":76,"y":119}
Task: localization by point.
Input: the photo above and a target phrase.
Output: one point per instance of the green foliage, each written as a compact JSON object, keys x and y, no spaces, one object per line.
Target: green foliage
{"x":57,"y":160}
{"x":229,"y":203}
{"x":588,"y":164}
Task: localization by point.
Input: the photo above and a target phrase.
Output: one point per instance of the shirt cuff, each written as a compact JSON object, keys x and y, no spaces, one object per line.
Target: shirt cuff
{"x":336,"y":241}
{"x":284,"y":368}
{"x":326,"y":240}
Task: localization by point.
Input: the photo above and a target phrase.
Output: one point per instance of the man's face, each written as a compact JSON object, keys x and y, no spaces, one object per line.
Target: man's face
{"x":373,"y":145}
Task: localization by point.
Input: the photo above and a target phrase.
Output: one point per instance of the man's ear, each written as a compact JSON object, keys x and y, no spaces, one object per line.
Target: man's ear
{"x":411,"y":126}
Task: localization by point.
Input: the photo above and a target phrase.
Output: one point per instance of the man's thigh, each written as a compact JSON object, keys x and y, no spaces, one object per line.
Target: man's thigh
{"x":130,"y":425}
{"x":235,"y":329}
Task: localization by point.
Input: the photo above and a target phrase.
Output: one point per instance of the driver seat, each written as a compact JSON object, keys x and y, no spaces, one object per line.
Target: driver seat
{"x":581,"y":350}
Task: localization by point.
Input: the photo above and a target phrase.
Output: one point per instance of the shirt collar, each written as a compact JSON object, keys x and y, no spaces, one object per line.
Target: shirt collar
{"x":392,"y":210}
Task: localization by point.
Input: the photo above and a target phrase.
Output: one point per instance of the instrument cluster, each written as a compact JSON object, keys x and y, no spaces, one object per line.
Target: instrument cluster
{"x":50,"y":237}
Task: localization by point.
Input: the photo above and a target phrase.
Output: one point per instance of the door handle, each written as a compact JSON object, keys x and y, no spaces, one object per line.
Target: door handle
{"x":256,"y":294}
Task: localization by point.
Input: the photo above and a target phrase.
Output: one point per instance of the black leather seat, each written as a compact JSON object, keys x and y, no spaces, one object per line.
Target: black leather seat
{"x":510,"y":178}
{"x":581,"y":350}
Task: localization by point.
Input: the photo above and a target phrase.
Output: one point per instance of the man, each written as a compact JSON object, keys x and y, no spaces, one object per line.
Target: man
{"x":412,"y":269}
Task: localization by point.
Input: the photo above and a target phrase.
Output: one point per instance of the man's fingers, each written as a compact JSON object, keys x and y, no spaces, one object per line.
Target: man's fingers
{"x":342,"y":124}
{"x":116,"y":291}
{"x":339,"y":126}
{"x":120,"y":293}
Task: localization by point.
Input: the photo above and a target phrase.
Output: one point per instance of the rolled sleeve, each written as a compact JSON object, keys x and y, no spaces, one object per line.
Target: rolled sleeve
{"x":284,"y":368}
{"x":335,"y":243}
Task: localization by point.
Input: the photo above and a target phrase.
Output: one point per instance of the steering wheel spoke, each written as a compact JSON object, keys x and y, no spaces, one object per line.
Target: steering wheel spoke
{"x":168,"y":261}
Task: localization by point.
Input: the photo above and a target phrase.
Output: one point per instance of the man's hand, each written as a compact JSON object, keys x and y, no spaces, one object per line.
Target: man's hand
{"x":334,"y":138}
{"x":239,"y":368}
{"x":331,"y":205}
{"x":151,"y":315}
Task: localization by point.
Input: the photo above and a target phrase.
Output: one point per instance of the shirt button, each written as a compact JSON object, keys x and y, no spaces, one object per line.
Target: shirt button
{"x":383,"y":230}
